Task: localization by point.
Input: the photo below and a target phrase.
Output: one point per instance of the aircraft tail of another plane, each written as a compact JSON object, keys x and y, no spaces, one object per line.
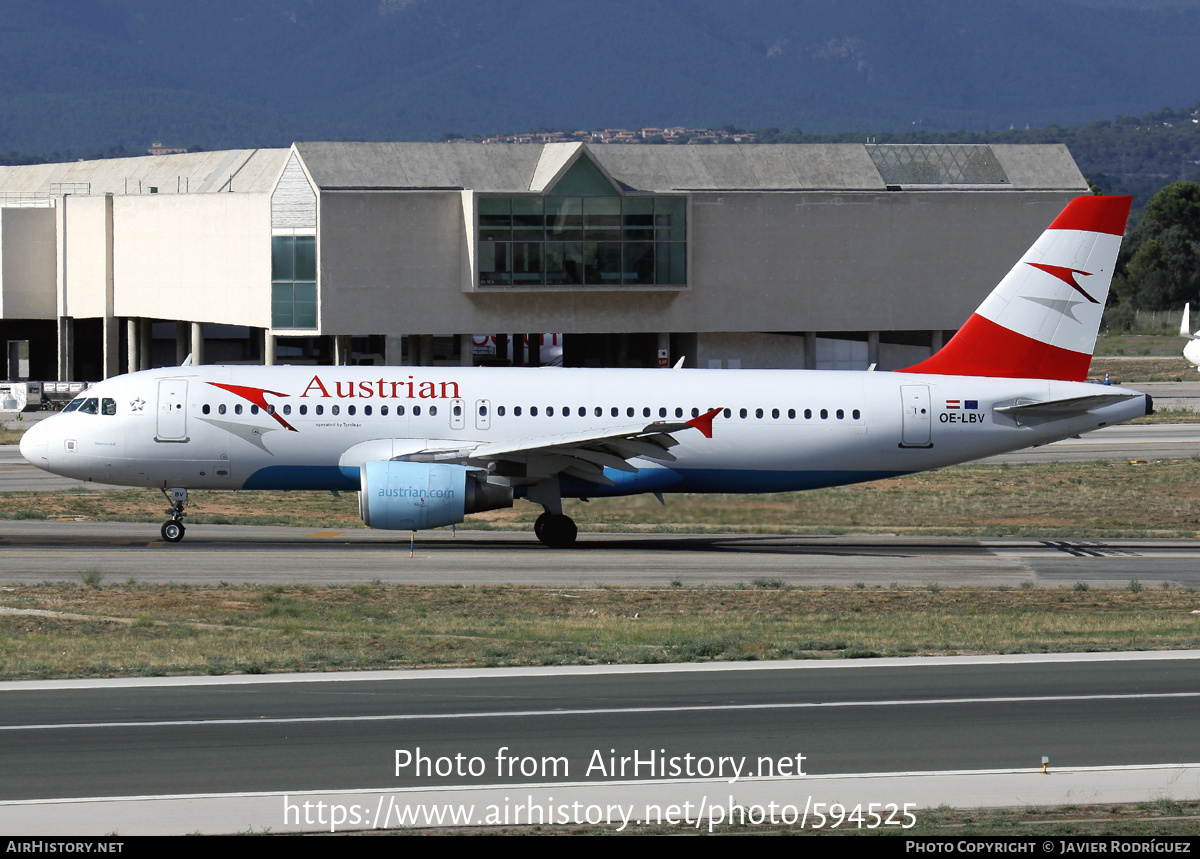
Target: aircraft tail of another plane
{"x":1041,"y":320}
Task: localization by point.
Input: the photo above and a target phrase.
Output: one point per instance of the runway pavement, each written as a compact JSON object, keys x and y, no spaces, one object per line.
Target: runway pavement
{"x":32,"y":552}
{"x":172,"y":755}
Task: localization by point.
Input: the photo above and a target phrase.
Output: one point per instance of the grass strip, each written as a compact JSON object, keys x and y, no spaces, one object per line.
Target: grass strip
{"x":101,"y":630}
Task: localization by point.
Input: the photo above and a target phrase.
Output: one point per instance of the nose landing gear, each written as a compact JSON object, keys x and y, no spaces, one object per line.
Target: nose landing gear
{"x":173,"y":531}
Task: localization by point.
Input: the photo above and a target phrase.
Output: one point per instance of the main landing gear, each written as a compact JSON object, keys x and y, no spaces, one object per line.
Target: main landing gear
{"x":555,"y":530}
{"x":173,"y":531}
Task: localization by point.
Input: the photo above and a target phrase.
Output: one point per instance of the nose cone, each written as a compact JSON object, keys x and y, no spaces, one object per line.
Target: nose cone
{"x":35,"y":445}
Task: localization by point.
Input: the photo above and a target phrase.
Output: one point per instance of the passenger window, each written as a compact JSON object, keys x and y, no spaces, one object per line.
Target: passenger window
{"x":629,"y":412}
{"x":383,"y":410}
{"x":206,"y":408}
{"x":599,"y":411}
{"x":662,"y":412}
{"x":417,"y":411}
{"x":108,"y":406}
{"x":808,"y":414}
{"x":304,"y":410}
{"x":335,"y":410}
{"x":287,"y":410}
{"x":758,"y":413}
{"x":583,"y":411}
{"x":400,"y":411}
{"x":516,"y":411}
{"x":695,"y":413}
{"x":367,"y":411}
{"x":432,"y":410}
{"x":270,"y":410}
{"x":728,"y":413}
{"x":678,"y":412}
{"x":840,"y":414}
{"x":742,"y":413}
{"x":532,"y":411}
{"x":775,"y":413}
{"x":457,"y":411}
{"x":237,"y":410}
{"x":791,"y":414}
{"x":856,"y":414}
{"x":221,"y":409}
{"x":319,"y":410}
{"x":824,"y":414}
{"x":499,"y":411}
{"x":350,"y":410}
{"x":615,"y":411}
{"x":254,"y":410}
{"x":646,"y":412}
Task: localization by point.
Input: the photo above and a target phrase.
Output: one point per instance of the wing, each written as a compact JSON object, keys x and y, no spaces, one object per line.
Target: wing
{"x":532,"y":460}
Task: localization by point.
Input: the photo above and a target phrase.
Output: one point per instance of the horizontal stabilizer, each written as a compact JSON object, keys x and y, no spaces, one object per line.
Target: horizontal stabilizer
{"x":1062,"y":408}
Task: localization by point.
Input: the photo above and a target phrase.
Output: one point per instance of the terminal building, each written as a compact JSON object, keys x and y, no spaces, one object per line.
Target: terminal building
{"x":751,"y":256}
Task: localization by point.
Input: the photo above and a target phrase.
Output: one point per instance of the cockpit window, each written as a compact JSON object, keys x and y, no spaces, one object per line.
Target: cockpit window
{"x":108,"y":406}
{"x":91,"y":406}
{"x":73,"y":405}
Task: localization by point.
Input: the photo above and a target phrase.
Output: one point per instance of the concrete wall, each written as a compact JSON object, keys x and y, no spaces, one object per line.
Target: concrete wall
{"x":85,"y":244}
{"x":197,"y":257}
{"x":28,"y":264}
{"x":394,"y":262}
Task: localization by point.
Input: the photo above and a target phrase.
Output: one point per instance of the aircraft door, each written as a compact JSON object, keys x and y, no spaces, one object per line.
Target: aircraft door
{"x":918,"y":418}
{"x":172,"y":411}
{"x":483,"y":414}
{"x":458,"y":410}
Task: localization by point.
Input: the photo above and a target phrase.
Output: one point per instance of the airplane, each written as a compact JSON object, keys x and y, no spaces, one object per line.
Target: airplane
{"x":426,"y":446}
{"x":1191,"y":349}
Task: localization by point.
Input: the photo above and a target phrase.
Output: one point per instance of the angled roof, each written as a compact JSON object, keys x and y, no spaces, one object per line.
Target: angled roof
{"x":525,"y":167}
{"x":249,"y":170}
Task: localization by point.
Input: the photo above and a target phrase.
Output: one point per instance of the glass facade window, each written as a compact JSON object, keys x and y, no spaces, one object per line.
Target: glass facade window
{"x":582,"y":241}
{"x":293,"y":281}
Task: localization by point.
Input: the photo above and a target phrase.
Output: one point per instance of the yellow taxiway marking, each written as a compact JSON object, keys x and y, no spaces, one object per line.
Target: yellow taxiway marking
{"x":327,"y":534}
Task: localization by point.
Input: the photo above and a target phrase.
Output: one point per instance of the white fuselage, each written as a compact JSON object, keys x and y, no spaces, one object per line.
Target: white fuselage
{"x":200,"y":427}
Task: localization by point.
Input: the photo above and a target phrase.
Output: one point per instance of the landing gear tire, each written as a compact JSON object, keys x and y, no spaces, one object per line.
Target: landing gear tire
{"x":172,"y":531}
{"x":539,"y":525}
{"x":558,"y":531}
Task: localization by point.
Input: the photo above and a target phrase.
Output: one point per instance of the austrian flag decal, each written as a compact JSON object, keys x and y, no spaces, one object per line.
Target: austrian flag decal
{"x":962,"y":404}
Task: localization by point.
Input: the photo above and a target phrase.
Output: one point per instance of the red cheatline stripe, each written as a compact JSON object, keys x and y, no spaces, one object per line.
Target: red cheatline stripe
{"x":1095,"y":215}
{"x":983,"y":348}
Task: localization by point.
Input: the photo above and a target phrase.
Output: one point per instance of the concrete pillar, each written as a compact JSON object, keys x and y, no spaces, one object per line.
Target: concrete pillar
{"x":466,"y":343}
{"x":183,"y":342}
{"x":197,"y":343}
{"x":810,"y":350}
{"x":131,"y":345}
{"x":268,"y":348}
{"x":873,"y":348}
{"x":111,"y":334}
{"x":393,"y":350}
{"x":535,"y":350}
{"x":426,"y":345}
{"x":112,"y":347}
{"x":935,"y":340}
{"x":501,"y":347}
{"x":518,"y":349}
{"x":145,"y":342}
{"x":66,"y":349}
{"x":341,"y":349}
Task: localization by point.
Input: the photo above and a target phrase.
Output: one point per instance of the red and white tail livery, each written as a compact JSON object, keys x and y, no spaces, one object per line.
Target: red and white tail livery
{"x":1041,"y":321}
{"x":427,"y":446}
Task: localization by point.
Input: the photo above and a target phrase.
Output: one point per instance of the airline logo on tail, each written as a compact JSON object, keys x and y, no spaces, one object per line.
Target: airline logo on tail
{"x":1051,"y":332}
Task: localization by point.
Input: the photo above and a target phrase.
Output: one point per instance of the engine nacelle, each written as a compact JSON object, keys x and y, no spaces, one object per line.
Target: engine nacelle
{"x":410,"y":496}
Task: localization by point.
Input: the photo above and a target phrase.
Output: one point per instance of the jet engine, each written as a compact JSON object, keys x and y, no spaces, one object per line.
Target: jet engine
{"x":415,"y":495}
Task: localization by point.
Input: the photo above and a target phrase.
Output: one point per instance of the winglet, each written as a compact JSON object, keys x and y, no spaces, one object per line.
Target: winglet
{"x":704,"y":422}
